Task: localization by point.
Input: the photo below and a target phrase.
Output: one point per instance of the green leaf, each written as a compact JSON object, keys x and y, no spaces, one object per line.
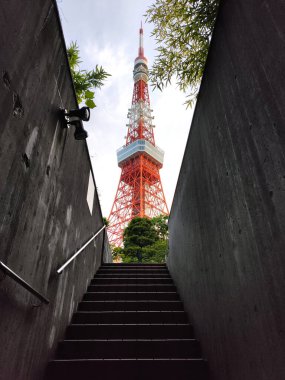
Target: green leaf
{"x":89,"y":94}
{"x":90,"y":103}
{"x":182,"y":30}
{"x":84,"y":80}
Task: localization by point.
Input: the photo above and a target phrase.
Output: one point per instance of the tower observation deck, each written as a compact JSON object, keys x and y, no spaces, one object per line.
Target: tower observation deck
{"x":140,"y":191}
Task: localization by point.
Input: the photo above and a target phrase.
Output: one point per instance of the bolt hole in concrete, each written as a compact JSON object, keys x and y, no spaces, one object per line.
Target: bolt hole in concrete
{"x":6,"y":80}
{"x":26,"y":160}
{"x":18,"y":110}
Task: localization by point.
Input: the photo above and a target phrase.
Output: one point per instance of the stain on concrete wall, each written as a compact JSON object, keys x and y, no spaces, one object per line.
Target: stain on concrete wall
{"x":227,"y":223}
{"x":44,"y":174}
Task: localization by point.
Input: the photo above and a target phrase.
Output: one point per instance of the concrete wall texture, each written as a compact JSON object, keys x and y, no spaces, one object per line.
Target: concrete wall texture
{"x":227,"y":223}
{"x":44,"y":176}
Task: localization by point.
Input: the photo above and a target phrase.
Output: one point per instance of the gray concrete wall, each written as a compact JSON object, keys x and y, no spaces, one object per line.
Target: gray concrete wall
{"x":227,"y":223}
{"x":107,"y":253}
{"x":44,"y":174}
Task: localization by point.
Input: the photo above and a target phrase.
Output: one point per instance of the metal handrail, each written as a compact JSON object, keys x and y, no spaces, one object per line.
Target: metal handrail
{"x":22,"y":282}
{"x":60,"y":270}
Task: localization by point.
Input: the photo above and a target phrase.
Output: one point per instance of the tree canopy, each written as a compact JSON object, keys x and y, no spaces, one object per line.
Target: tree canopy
{"x":140,"y":232}
{"x":145,"y":240}
{"x":84,"y":81}
{"x":182,"y":29}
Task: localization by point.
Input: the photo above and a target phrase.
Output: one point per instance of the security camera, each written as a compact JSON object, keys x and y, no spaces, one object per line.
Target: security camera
{"x":81,"y":113}
{"x":80,"y":133}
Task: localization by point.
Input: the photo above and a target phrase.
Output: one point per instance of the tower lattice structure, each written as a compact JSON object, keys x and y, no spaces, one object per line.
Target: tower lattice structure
{"x":140,"y":192}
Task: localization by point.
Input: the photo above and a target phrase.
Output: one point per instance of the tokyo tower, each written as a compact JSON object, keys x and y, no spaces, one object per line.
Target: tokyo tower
{"x":140,"y":191}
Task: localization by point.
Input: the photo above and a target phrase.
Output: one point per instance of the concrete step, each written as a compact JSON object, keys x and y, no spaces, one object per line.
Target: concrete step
{"x":132,"y":270}
{"x":174,"y":305}
{"x":131,"y":288}
{"x":133,"y":275}
{"x":129,"y":331}
{"x":132,"y":296}
{"x":116,"y":349}
{"x":127,"y":369}
{"x":131,"y":280}
{"x":135,"y":265}
{"x":129,"y":317}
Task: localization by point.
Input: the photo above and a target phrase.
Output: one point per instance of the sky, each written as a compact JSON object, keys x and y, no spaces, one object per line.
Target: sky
{"x":107,"y":32}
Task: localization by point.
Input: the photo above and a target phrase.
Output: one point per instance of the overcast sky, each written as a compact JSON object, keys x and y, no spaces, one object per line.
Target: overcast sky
{"x":107,"y":32}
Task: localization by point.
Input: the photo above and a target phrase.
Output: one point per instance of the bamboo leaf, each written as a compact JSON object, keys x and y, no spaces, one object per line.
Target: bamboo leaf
{"x":84,"y":80}
{"x":90,"y":103}
{"x":182,"y":30}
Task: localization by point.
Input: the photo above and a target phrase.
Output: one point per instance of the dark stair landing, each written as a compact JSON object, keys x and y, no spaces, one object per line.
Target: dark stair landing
{"x":130,"y":325}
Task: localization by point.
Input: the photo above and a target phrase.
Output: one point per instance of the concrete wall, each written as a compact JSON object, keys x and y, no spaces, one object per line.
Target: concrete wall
{"x":227,"y":223}
{"x":44,"y":175}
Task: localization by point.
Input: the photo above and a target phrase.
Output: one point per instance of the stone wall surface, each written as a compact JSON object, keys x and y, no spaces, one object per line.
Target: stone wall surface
{"x":44,"y":176}
{"x":227,"y":222}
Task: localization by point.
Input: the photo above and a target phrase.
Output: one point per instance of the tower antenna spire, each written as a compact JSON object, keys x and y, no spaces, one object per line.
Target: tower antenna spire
{"x":141,"y":49}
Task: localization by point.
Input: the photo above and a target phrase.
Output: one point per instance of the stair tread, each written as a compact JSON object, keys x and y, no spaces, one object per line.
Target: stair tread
{"x":130,"y":324}
{"x":165,"y":340}
{"x":130,"y":316}
{"x":130,"y":359}
{"x":147,"y":285}
{"x":130,"y":295}
{"x":133,"y":340}
{"x":130,"y":287}
{"x":131,"y":281}
{"x":129,"y":369}
{"x":129,"y":348}
{"x":129,"y":306}
{"x":130,"y":292}
{"x":138,"y":301}
{"x":133,"y":264}
{"x":144,"y":265}
{"x":132,"y":278}
{"x":133,"y":270}
{"x":130,"y":311}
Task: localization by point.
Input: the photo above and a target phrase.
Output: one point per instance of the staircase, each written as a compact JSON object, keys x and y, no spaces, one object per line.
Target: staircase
{"x":130,"y":325}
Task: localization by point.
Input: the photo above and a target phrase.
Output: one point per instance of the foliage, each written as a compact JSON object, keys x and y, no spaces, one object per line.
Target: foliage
{"x":84,"y":80}
{"x":156,"y":252}
{"x":117,"y":252}
{"x":161,"y":226}
{"x":105,"y":221}
{"x":139,"y":233}
{"x":182,"y":29}
{"x":132,"y":254}
{"x":145,"y":240}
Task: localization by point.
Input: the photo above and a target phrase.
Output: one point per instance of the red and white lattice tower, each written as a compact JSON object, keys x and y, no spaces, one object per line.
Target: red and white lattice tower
{"x":140,"y":190}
